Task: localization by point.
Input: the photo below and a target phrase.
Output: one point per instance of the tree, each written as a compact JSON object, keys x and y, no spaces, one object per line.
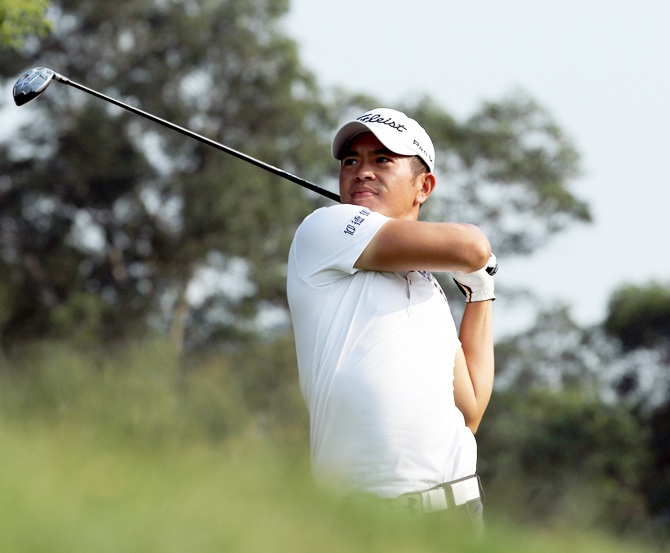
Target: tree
{"x":105,"y":217}
{"x":589,"y":406}
{"x":20,"y":19}
{"x":556,"y":354}
{"x":567,"y":458}
{"x":109,"y":222}
{"x":638,"y":318}
{"x":508,"y":168}
{"x":638,"y":322}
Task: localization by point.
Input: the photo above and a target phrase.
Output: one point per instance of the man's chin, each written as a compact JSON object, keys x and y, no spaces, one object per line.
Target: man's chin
{"x":371,"y":202}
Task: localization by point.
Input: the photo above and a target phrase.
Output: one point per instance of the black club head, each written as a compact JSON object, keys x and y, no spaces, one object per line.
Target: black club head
{"x":31,"y":84}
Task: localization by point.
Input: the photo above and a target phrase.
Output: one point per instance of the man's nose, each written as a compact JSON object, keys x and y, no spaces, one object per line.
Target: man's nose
{"x":364,"y":172}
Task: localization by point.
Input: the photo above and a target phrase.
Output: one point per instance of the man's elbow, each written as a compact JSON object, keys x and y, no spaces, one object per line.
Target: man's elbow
{"x":473,"y":425}
{"x":479,"y":252}
{"x":473,"y":417}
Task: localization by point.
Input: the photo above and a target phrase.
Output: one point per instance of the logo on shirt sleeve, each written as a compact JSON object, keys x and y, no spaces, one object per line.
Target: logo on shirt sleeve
{"x":356,"y":221}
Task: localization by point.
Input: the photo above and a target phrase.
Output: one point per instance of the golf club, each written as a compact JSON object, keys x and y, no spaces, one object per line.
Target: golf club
{"x":35,"y":81}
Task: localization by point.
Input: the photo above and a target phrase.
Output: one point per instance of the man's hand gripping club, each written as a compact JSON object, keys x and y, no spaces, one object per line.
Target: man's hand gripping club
{"x":477,"y":286}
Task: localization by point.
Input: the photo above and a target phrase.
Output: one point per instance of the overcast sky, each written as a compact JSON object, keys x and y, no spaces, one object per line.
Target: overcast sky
{"x":601,"y":68}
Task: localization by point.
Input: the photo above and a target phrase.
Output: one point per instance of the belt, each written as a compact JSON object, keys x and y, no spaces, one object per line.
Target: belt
{"x":444,"y":496}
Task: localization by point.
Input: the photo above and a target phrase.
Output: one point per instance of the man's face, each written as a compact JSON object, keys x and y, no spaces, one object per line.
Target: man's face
{"x":374,"y":177}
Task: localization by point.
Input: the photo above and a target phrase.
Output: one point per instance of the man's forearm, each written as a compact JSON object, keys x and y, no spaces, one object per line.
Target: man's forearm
{"x":476,"y":335}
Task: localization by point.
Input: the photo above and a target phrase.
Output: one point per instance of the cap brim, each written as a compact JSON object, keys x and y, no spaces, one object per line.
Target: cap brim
{"x":345,"y":134}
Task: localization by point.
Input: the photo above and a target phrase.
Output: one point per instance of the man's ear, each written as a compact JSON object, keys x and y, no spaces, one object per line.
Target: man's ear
{"x":427,"y":186}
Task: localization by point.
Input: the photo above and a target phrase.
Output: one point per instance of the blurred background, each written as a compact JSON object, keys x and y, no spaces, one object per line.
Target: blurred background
{"x":143,"y":317}
{"x":598,"y":72}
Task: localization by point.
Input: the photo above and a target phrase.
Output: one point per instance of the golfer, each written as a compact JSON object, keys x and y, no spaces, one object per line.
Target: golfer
{"x":395,"y":393}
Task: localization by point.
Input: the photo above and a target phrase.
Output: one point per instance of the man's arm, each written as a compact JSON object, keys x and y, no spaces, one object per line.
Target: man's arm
{"x":474,"y":369}
{"x":451,"y":247}
{"x":417,"y":245}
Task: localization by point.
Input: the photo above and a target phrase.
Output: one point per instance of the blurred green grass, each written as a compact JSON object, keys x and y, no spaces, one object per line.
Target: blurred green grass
{"x":123,"y":452}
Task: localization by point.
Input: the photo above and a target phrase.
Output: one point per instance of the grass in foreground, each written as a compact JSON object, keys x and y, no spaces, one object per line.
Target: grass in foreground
{"x":124,"y":454}
{"x":63,"y":490}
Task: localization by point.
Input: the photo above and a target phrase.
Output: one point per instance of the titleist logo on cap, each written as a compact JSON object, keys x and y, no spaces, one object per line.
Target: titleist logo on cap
{"x":374,"y":118}
{"x":389,"y":121}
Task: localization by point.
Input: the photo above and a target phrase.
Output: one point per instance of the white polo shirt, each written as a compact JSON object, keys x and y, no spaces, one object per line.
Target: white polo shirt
{"x":376,"y":358}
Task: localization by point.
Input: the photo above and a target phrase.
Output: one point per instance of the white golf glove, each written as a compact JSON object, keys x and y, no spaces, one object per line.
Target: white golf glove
{"x":477,"y":286}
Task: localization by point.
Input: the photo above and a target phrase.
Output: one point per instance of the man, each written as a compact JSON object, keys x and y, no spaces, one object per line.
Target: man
{"x":394,"y":393}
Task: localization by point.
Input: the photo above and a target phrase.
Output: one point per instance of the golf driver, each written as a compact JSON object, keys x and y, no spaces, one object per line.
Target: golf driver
{"x":35,"y":81}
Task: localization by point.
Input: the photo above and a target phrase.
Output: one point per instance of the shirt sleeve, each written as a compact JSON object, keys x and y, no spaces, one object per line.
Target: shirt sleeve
{"x":330,"y":240}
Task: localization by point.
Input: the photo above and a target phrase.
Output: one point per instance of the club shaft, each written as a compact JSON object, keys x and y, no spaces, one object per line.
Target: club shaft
{"x":271,"y":168}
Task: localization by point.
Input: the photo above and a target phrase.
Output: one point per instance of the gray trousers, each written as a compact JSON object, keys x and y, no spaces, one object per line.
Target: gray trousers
{"x":470,"y":514}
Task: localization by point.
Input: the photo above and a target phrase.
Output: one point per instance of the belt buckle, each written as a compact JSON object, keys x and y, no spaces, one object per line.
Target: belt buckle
{"x":445,"y":496}
{"x":451,"y":494}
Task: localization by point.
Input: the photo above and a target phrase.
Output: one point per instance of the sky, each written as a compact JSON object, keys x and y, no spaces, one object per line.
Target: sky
{"x":600,"y":67}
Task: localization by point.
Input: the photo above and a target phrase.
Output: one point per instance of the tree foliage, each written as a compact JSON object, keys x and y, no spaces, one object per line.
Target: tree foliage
{"x":20,"y":19}
{"x":590,"y":407}
{"x":639,"y":316}
{"x":508,"y":168}
{"x":557,"y":354}
{"x":106,"y":215}
{"x":565,"y":458}
{"x":110,"y":223}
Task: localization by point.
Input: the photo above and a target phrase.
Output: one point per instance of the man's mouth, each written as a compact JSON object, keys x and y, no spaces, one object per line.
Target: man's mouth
{"x":359,"y":193}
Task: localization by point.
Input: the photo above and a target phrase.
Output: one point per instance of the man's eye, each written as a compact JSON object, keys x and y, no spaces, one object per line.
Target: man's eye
{"x":383,"y":159}
{"x":349,"y":161}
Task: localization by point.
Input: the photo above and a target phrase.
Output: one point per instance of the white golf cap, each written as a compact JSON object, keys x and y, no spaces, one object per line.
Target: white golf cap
{"x":399,"y":133}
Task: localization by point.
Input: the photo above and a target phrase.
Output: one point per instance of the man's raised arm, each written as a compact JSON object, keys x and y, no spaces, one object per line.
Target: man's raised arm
{"x":402,"y":245}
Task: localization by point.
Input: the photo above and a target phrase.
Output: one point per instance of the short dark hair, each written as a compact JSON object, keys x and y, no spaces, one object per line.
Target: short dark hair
{"x":419,"y":166}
